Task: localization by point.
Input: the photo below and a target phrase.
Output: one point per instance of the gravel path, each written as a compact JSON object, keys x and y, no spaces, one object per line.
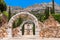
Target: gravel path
{"x":30,"y":38}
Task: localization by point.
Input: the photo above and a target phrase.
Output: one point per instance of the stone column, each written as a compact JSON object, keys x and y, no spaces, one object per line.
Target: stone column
{"x":37,"y":30}
{"x":9,"y":30}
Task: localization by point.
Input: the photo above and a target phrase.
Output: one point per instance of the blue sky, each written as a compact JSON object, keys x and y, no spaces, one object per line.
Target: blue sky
{"x":26,"y":3}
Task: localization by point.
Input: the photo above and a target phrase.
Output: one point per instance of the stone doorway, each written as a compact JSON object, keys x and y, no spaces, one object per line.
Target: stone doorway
{"x":28,"y":28}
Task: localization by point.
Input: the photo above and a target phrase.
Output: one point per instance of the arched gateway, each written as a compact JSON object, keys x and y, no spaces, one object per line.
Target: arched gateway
{"x":28,"y":26}
{"x":26,"y":16}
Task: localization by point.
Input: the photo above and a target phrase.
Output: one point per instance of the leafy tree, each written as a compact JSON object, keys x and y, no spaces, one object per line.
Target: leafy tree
{"x":3,"y":6}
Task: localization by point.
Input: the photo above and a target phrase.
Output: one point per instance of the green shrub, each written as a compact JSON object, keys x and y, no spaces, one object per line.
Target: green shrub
{"x":57,"y":17}
{"x":17,"y":22}
{"x":40,"y":16}
{"x":6,"y":13}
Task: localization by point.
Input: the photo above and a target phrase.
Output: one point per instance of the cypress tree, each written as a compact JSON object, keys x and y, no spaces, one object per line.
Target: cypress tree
{"x":47,"y":12}
{"x":53,"y":11}
{"x":9,"y":14}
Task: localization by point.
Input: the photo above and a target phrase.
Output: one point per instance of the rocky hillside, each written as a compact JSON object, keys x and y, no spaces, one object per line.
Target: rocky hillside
{"x":42,"y":7}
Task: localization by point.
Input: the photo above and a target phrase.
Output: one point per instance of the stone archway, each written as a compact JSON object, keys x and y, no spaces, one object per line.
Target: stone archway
{"x":32,"y":26}
{"x":27,"y":14}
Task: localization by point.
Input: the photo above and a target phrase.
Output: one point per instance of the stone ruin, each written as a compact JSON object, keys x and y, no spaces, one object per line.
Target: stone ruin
{"x":49,"y":28}
{"x":51,"y":22}
{"x":27,"y":18}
